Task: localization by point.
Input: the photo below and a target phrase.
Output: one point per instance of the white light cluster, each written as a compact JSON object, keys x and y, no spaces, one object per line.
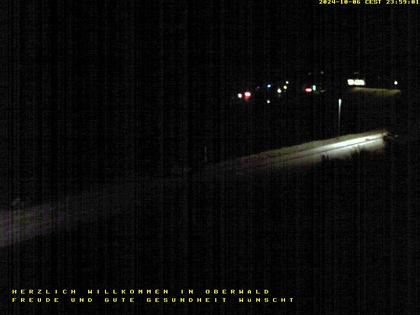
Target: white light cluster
{"x":356,"y":82}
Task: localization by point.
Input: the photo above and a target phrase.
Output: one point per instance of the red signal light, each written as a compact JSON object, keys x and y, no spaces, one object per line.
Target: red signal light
{"x":247,"y":95}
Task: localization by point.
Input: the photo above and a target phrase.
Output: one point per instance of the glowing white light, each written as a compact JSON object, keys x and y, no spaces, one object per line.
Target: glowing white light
{"x":314,"y":87}
{"x":358,"y":82}
{"x":268,"y":101}
{"x":279,"y":90}
{"x":395,"y":82}
{"x":247,"y":94}
{"x":359,"y":141}
{"x":269,"y":85}
{"x":287,"y":82}
{"x":240,"y":95}
{"x":285,"y":87}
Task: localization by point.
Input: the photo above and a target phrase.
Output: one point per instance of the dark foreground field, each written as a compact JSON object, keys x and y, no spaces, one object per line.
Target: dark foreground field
{"x":340,"y":238}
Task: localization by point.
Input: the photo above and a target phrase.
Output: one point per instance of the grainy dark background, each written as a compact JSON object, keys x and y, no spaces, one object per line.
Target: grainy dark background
{"x":95,"y":87}
{"x":96,"y":92}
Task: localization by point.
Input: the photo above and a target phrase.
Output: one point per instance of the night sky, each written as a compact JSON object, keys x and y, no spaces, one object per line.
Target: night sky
{"x":96,"y":87}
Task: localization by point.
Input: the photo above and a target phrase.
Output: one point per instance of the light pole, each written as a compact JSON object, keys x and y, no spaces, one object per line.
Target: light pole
{"x":339,"y":115}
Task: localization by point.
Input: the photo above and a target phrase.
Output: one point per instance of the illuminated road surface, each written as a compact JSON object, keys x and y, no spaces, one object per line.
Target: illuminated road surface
{"x":305,"y":155}
{"x":91,"y":207}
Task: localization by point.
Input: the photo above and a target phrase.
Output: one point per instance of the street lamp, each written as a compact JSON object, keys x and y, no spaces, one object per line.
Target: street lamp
{"x":339,"y":115}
